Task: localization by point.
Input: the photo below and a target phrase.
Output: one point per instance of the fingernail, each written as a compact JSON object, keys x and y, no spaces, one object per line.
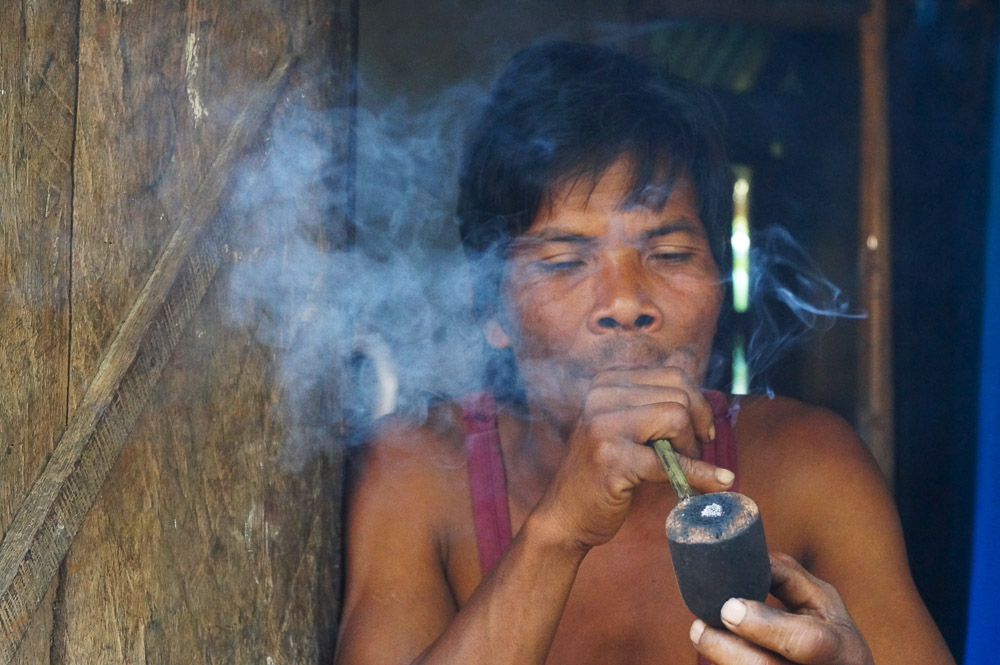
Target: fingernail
{"x":724,"y":476}
{"x":733,"y":611}
{"x":711,"y":432}
{"x":697,"y":628}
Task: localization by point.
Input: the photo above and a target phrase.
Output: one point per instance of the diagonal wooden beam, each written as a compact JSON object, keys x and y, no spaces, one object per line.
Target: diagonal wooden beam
{"x":43,"y":529}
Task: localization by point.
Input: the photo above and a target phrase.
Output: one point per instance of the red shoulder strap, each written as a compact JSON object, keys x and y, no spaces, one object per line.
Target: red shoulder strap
{"x":487,"y":482}
{"x":722,"y":451}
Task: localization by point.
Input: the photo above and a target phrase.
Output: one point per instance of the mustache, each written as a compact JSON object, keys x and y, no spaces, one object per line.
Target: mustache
{"x":634,"y":352}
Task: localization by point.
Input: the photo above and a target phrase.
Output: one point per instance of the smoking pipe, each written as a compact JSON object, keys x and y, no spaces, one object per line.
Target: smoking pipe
{"x":716,"y":544}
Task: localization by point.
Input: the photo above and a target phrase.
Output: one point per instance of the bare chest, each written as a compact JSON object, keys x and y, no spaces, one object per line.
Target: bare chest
{"x":624,"y":608}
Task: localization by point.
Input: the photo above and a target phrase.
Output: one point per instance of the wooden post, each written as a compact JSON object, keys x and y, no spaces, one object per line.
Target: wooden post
{"x":875,"y":417}
{"x":43,"y":529}
{"x":202,"y":542}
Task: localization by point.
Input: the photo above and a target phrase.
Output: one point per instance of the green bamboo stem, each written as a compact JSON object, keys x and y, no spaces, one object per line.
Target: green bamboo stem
{"x":672,"y":467}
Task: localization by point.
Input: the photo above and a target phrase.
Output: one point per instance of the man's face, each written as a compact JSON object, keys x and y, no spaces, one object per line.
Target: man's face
{"x":591,"y":287}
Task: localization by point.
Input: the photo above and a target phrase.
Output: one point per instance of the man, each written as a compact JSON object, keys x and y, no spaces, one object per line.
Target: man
{"x":593,"y":208}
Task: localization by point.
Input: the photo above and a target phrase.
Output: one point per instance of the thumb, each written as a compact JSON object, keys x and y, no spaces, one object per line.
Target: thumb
{"x":705,"y":477}
{"x":701,"y":476}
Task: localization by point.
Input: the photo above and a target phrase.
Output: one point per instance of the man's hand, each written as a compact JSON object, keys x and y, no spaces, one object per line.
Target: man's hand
{"x":817,"y":629}
{"x":607,"y":458}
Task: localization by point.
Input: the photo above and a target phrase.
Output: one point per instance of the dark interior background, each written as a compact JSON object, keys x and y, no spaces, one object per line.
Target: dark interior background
{"x":791,"y":94}
{"x":942,"y":60}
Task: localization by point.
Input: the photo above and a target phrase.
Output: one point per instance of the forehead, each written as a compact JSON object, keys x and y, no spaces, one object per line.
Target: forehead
{"x":604,"y":205}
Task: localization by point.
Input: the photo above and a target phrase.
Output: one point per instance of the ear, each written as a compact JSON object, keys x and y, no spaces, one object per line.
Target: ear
{"x":495,"y":335}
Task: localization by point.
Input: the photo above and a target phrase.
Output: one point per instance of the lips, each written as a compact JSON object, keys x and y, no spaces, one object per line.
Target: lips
{"x":621,"y":354}
{"x":626,"y":354}
{"x":638,"y":353}
{"x":627,"y":367}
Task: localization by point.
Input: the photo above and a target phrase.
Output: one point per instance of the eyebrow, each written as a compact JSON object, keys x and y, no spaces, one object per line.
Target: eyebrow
{"x":551,"y":236}
{"x":681,"y":225}
{"x":546,"y":236}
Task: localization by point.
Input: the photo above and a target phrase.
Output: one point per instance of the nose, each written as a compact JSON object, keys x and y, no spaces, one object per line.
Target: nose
{"x":624,"y":302}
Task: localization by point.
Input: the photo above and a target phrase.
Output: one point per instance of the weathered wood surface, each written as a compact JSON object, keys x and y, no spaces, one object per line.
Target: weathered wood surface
{"x":203,"y":546}
{"x":200,"y":548}
{"x":40,"y":534}
{"x":37,"y":116}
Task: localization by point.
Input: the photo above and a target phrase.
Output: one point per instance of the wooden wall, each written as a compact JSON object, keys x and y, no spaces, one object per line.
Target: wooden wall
{"x":202,"y":545}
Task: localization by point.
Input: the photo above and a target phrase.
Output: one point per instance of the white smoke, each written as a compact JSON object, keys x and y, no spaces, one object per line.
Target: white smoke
{"x":790,"y":300}
{"x":403,"y":284}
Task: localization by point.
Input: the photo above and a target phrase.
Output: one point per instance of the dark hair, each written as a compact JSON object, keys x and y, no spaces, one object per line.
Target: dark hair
{"x":563,"y":111}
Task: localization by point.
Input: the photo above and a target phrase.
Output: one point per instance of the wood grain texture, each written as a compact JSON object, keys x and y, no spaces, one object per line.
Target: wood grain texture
{"x":40,"y":534}
{"x":203,"y":546}
{"x":37,"y":119}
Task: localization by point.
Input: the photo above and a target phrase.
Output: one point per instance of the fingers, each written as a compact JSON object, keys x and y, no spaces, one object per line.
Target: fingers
{"x":817,"y":630}
{"x":797,"y":588}
{"x":663,"y":403}
{"x":705,"y":477}
{"x":619,"y":389}
{"x":767,"y":635}
{"x":722,"y":647}
{"x":800,"y":638}
{"x":702,"y":476}
{"x":654,"y":412}
{"x":663,"y":421}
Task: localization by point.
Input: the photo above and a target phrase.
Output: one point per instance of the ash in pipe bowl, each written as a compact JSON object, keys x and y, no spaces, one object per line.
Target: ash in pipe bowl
{"x":718,"y":551}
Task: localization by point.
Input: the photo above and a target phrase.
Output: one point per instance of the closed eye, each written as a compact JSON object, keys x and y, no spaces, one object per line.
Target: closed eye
{"x":671,"y":257}
{"x":560,"y":265}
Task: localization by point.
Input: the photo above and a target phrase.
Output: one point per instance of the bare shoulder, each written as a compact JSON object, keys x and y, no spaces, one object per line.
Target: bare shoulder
{"x":413,"y":464}
{"x":829,"y":506}
{"x":811,"y":469}
{"x":435,"y":442}
{"x":794,"y":427}
{"x":405,"y":496}
{"x":800,"y":443}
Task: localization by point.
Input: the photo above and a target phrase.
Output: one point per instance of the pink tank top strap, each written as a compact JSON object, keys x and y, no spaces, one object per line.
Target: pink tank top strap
{"x":487,"y":481}
{"x":722,"y":451}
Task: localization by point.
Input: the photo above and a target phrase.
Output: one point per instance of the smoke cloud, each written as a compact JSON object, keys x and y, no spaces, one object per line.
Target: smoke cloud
{"x":790,"y":300}
{"x":402,"y":290}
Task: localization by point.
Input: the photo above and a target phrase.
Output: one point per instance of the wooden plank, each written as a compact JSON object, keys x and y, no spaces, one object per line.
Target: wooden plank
{"x":37,"y":117}
{"x":41,"y":532}
{"x":203,"y":546}
{"x":875,"y":416}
